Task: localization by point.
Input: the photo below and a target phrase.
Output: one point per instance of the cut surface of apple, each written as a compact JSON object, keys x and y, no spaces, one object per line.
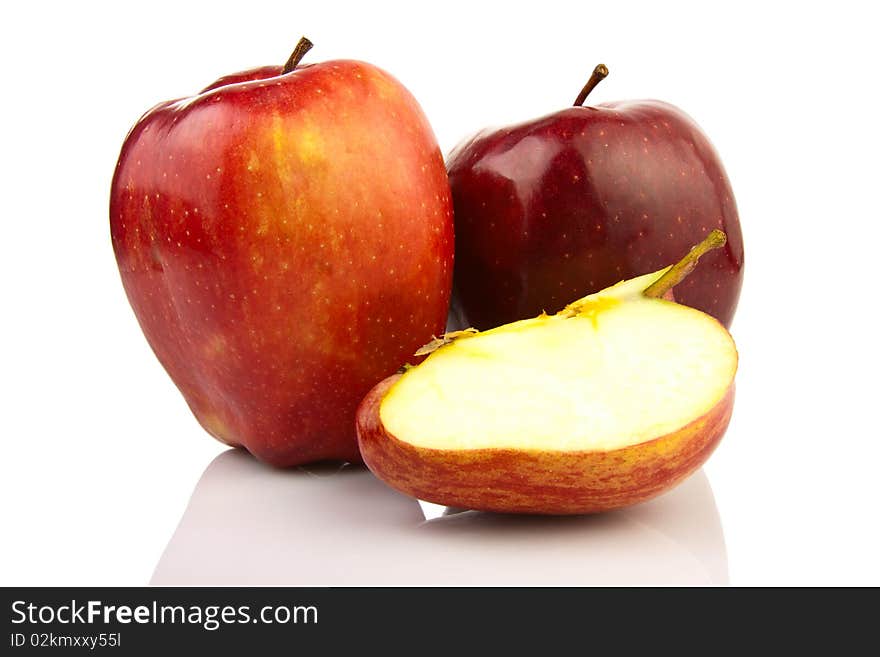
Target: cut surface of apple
{"x":616,"y":374}
{"x":610,"y":402}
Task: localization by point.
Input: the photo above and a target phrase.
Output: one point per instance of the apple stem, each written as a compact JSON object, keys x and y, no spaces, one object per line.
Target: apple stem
{"x":680,"y":270}
{"x":301,"y":49}
{"x":599,"y":74}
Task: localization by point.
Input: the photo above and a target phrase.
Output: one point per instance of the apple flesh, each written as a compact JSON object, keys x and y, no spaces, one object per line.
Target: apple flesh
{"x":285,"y":239}
{"x":608,"y":403}
{"x":567,"y":204}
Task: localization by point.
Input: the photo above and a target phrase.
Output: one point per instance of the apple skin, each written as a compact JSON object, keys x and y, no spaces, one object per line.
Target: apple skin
{"x":285,"y":241}
{"x":568,"y":204}
{"x":535,"y":482}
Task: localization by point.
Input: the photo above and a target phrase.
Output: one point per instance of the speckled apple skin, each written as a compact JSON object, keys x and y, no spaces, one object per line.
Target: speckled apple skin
{"x":538,"y":482}
{"x":285,"y":241}
{"x":563,"y":206}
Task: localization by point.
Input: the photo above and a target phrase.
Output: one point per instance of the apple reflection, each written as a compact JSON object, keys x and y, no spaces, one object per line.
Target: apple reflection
{"x":338,"y":525}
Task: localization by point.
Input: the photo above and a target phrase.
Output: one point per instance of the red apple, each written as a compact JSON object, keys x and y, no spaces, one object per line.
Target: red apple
{"x":572,"y":202}
{"x":285,"y":238}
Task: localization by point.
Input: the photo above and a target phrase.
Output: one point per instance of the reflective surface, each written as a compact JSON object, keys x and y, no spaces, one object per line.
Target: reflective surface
{"x":249,"y":524}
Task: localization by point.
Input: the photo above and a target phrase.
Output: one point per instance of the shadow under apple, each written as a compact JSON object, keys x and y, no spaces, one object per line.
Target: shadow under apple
{"x":675,"y":539}
{"x":249,"y":524}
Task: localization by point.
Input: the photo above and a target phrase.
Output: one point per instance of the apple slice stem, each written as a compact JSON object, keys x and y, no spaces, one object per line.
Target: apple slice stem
{"x":298,"y":53}
{"x":599,"y":74}
{"x":680,"y":270}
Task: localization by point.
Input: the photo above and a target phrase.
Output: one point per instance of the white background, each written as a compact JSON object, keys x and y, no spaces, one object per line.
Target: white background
{"x":100,"y":453}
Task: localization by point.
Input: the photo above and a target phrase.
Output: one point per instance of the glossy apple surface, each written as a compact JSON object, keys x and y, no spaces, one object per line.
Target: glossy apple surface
{"x":285,"y":240}
{"x":570,"y":203}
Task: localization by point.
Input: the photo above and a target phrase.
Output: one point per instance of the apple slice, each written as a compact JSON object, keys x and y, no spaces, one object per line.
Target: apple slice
{"x":610,"y":402}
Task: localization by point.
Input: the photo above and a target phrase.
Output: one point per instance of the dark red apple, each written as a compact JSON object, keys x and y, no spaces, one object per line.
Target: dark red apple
{"x":285,"y":238}
{"x":570,"y":203}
